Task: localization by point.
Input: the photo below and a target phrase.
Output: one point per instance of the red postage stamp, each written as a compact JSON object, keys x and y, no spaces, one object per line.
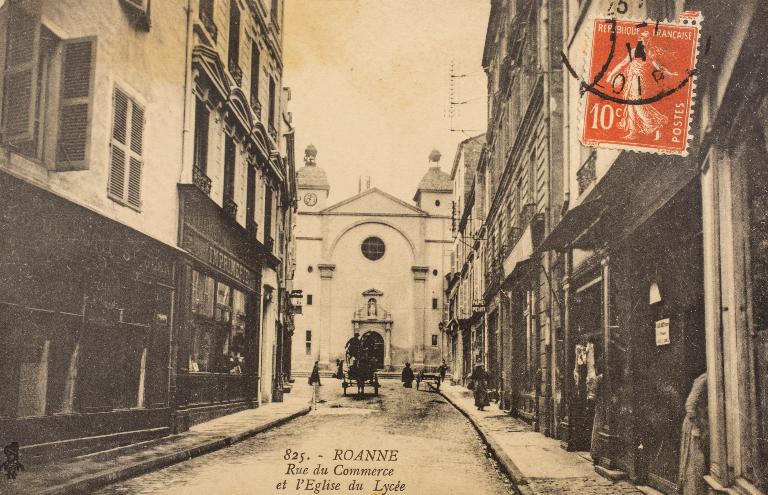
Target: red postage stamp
{"x":640,"y":83}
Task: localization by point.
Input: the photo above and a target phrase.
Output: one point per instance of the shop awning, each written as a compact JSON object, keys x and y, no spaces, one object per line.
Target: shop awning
{"x":574,"y":223}
{"x":521,"y":253}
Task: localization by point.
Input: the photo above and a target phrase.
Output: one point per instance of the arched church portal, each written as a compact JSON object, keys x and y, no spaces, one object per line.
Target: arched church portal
{"x":373,"y":345}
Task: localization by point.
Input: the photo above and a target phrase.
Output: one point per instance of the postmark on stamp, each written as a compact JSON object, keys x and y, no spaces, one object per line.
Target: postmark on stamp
{"x":640,"y":84}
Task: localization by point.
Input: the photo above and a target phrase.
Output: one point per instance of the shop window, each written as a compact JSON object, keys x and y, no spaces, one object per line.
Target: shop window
{"x":218,"y":333}
{"x":308,"y":341}
{"x":126,"y":162}
{"x":309,"y":299}
{"x":434,"y":341}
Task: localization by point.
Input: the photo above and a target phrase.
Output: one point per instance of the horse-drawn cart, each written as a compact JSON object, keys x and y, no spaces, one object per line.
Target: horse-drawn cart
{"x":361,"y":368}
{"x":427,"y":377}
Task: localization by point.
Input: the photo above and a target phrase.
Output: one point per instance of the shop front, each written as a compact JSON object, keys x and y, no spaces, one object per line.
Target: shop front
{"x":218,"y":301}
{"x":633,"y":319}
{"x":85,"y":327}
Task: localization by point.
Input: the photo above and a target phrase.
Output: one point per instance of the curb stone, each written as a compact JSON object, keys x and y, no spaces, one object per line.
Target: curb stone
{"x":87,"y":484}
{"x":518,"y":478}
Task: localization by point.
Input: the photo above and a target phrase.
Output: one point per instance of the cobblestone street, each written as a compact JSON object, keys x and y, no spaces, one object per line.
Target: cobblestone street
{"x":438,"y":451}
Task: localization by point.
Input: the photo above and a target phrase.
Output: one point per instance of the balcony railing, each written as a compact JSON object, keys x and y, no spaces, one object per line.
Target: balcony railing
{"x":202,"y":181}
{"x":587,"y":174}
{"x":256,"y":107}
{"x":237,"y":72}
{"x":209,"y":25}
{"x":230,"y":207}
{"x":273,"y":132}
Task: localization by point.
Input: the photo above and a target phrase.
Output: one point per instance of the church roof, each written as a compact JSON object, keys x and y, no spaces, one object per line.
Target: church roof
{"x":436,"y":180}
{"x":310,"y":176}
{"x":407,"y":207}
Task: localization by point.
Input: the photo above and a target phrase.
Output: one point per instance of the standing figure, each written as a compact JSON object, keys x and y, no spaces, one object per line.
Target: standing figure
{"x":314,"y":380}
{"x":407,"y":376}
{"x":443,"y":369}
{"x":339,"y":369}
{"x":353,"y":347}
{"x":12,"y":464}
{"x":480,"y":379}
{"x":694,"y":441}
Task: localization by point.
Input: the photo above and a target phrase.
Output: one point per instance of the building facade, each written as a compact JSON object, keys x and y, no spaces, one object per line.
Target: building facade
{"x":522,"y":181}
{"x":464,"y":282}
{"x":654,"y":247}
{"x":141,"y":183}
{"x":619,"y":285}
{"x":371,"y":264}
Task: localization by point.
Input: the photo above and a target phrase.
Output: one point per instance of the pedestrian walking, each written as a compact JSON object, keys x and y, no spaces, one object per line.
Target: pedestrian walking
{"x":480,"y":380}
{"x":314,"y":380}
{"x":443,"y":369}
{"x":407,"y":376}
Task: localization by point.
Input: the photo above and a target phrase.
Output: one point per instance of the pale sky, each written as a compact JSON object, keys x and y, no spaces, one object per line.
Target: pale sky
{"x":370,"y":85}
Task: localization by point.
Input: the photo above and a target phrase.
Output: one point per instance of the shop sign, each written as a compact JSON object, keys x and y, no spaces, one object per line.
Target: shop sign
{"x":662,"y":332}
{"x":217,"y":258}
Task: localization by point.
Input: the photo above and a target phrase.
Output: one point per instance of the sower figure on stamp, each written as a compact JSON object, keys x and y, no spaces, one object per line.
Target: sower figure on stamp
{"x":629,"y":77}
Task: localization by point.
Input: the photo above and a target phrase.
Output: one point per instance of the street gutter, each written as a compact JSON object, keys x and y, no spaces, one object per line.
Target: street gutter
{"x":510,"y":468}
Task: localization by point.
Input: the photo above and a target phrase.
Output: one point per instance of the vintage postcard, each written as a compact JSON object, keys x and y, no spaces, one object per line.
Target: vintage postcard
{"x":383,"y":247}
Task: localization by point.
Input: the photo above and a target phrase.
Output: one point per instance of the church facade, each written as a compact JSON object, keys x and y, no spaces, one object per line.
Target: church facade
{"x":371,"y":264}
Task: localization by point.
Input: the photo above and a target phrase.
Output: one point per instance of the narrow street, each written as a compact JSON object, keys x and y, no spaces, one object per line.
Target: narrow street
{"x":438,"y":451}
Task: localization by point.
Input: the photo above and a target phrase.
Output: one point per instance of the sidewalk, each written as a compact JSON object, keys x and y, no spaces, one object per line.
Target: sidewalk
{"x":535,"y":462}
{"x":86,"y":473}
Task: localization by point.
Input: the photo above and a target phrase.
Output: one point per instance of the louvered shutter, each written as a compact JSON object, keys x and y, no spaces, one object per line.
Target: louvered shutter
{"x":126,"y":148}
{"x":20,"y":77}
{"x":135,"y":162}
{"x":72,"y":145}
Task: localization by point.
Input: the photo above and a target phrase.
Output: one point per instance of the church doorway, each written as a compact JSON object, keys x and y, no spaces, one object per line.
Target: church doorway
{"x":373,"y":345}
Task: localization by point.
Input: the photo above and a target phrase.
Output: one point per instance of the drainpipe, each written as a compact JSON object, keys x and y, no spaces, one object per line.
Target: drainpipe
{"x":187,"y":115}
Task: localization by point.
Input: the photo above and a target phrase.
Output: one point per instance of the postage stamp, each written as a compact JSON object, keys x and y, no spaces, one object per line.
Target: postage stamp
{"x":639,"y":87}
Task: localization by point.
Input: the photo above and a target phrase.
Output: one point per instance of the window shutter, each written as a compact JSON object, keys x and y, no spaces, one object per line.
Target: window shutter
{"x":20,"y":78}
{"x":75,"y":111}
{"x":126,"y":148}
{"x":136,"y":163}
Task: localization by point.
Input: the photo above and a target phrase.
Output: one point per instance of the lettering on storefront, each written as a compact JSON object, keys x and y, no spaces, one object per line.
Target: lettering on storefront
{"x":662,"y":332}
{"x":217,"y":258}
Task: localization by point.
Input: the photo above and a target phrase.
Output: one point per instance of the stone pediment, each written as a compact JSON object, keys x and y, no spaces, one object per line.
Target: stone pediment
{"x":372,"y":202}
{"x":373,"y":292}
